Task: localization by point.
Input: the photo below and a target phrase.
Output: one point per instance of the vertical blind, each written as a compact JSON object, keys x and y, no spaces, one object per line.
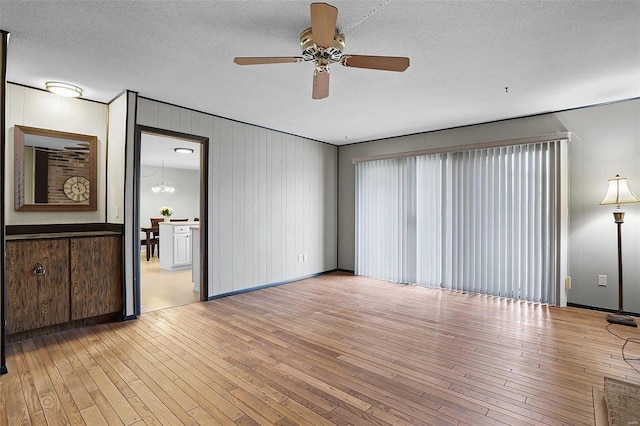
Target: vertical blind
{"x":482,"y":221}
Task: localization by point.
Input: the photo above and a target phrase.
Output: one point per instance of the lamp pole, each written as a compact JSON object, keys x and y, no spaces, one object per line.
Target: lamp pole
{"x":618,"y":217}
{"x":619,"y":317}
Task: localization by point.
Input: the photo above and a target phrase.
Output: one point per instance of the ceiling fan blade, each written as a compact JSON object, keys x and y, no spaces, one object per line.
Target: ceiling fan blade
{"x":385,"y":63}
{"x":320,"y":84}
{"x":323,"y":23}
{"x":267,"y":60}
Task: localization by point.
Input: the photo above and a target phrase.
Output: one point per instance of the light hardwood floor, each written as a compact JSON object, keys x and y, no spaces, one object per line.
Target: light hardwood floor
{"x":160,"y":289}
{"x":332,"y":350}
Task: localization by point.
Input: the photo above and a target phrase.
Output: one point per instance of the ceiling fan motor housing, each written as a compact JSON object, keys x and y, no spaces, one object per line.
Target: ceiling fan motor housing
{"x":321,"y":55}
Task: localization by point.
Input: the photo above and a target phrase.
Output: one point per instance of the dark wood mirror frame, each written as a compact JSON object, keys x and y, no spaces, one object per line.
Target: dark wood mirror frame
{"x":69,"y":163}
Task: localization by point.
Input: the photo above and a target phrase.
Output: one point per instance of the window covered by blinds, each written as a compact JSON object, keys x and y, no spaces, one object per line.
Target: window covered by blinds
{"x":482,"y":221}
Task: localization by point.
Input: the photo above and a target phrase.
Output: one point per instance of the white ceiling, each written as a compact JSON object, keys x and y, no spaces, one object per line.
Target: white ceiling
{"x":552,"y":55}
{"x":158,"y":150}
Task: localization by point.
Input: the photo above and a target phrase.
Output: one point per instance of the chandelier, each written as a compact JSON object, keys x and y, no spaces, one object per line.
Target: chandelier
{"x":163,"y":186}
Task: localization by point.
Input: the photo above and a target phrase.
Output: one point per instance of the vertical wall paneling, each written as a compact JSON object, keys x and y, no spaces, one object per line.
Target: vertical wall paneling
{"x":131,"y":224}
{"x":330,"y":206}
{"x":226,"y":208}
{"x":214,"y":210}
{"x":271,"y":198}
{"x":115,"y":159}
{"x":4,"y":40}
{"x":37,"y":108}
{"x":262,"y":211}
{"x":290,"y":255}
{"x":249,"y":219}
{"x":275,"y":193}
{"x":238,"y":208}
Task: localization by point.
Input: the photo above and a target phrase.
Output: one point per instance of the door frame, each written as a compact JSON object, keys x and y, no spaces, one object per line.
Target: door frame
{"x":204,"y":207}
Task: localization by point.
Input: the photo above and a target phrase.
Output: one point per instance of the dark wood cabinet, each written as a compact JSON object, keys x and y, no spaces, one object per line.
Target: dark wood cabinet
{"x":80,"y":278}
{"x":96,"y":276}
{"x":37,"y":298}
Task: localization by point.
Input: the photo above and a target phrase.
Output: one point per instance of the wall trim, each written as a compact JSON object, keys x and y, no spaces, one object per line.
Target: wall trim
{"x":204,"y":142}
{"x":598,"y":308}
{"x":234,"y":120}
{"x":261,"y":287}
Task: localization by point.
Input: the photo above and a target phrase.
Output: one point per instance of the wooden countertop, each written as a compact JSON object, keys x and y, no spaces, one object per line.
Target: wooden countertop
{"x":46,"y":236}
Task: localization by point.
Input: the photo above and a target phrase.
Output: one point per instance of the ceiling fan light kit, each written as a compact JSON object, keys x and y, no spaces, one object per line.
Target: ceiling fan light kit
{"x":323,"y":45}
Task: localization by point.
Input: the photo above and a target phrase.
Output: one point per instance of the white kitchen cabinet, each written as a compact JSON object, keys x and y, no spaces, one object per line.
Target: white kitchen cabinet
{"x":195,"y":255}
{"x":182,"y":249}
{"x":175,"y":245}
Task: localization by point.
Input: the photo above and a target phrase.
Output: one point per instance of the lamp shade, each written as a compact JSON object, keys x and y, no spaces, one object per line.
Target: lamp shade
{"x":619,"y":192}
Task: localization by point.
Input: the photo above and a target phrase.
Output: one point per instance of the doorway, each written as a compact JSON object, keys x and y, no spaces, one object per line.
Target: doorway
{"x":170,"y":177}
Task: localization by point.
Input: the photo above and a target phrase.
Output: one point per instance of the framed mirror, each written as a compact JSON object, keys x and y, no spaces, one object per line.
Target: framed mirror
{"x":54,"y":170}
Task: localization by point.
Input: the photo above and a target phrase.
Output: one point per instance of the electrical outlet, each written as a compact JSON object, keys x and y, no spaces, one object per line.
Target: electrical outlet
{"x":602,"y":280}
{"x":567,"y":283}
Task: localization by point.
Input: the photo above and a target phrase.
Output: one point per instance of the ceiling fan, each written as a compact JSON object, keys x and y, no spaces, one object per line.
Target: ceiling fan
{"x":323,"y":44}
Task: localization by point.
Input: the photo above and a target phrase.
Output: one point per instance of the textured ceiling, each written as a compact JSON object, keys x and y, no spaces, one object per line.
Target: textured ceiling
{"x":552,"y":55}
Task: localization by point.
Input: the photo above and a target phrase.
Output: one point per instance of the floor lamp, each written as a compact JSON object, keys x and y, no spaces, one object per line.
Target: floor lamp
{"x":619,"y":193}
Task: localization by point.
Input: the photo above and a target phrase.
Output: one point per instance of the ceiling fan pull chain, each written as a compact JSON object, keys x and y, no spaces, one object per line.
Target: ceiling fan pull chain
{"x":368,"y":15}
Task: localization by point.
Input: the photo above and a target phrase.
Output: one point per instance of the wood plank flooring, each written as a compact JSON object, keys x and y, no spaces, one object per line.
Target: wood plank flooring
{"x":332,"y":350}
{"x":161,"y":289}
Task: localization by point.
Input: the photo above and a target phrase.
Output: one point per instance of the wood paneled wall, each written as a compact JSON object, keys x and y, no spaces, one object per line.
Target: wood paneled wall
{"x":115,"y":159}
{"x":37,"y":108}
{"x":272,"y":199}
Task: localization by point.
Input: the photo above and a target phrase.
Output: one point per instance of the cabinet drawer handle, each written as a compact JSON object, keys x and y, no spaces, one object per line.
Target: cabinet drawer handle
{"x":39,"y":269}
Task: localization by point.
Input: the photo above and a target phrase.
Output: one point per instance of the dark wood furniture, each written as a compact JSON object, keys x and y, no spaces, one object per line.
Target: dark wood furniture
{"x":60,"y":281}
{"x":96,"y":276}
{"x":151,"y":241}
{"x":152,"y":236}
{"x":38,"y":285}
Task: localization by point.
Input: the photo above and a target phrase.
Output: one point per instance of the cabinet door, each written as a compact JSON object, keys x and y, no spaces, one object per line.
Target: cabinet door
{"x":35,"y":301}
{"x":181,"y":249}
{"x":96,"y":276}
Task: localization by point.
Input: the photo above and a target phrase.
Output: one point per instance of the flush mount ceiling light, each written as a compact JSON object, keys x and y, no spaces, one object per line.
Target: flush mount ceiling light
{"x":183,"y":150}
{"x":63,"y":89}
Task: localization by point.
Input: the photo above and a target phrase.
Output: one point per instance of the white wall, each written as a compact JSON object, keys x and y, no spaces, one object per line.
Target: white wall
{"x":185,"y":201}
{"x":272,"y":197}
{"x":37,"y":108}
{"x":609,"y":144}
{"x":115,"y":151}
